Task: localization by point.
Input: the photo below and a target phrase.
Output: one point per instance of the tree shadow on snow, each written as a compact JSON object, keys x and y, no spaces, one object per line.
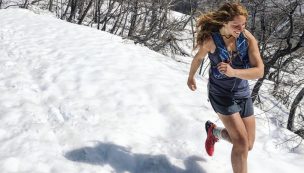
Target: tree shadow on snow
{"x":121,"y":160}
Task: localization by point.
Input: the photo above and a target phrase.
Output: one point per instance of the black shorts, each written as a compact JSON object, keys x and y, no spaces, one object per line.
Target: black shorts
{"x":228,"y":105}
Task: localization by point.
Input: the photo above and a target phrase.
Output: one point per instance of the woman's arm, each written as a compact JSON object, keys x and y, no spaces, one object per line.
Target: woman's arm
{"x":256,"y":62}
{"x":196,"y":62}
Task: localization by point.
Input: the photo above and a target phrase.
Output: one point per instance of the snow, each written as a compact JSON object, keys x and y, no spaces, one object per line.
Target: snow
{"x":75,"y":99}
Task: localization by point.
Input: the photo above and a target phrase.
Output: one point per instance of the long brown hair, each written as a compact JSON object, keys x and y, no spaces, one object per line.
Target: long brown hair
{"x":214,"y":20}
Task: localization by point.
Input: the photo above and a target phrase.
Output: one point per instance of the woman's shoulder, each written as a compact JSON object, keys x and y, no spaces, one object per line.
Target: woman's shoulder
{"x":248,"y":35}
{"x":208,"y":45}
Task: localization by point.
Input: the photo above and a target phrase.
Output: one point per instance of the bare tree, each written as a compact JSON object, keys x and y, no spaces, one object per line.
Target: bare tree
{"x":50,"y":5}
{"x":281,"y":35}
{"x":25,"y":4}
{"x":85,"y":12}
{"x":294,"y":106}
{"x":63,"y":16}
{"x":108,"y":15}
{"x":73,"y":6}
{"x":97,"y":14}
{"x":133,"y":18}
{"x":123,"y":13}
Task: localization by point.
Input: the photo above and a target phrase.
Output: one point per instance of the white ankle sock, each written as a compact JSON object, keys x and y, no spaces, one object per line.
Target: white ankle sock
{"x":217,"y":132}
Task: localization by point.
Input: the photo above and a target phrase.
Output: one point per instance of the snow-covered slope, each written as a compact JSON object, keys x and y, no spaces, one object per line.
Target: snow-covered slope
{"x":75,"y":99}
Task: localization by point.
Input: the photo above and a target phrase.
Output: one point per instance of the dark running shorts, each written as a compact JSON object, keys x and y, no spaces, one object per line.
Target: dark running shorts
{"x":229,"y":106}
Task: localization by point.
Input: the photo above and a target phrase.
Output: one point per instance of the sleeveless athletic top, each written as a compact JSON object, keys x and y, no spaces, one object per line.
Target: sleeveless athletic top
{"x":220,"y":84}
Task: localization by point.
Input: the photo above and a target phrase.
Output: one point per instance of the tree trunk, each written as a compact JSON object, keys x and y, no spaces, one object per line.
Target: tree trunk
{"x":256,"y":88}
{"x":125,"y":21}
{"x":118,"y":19}
{"x":85,"y":12}
{"x":121,"y":16}
{"x":297,"y":100}
{"x":143,"y":24}
{"x":192,"y":25}
{"x":106,"y":17}
{"x":66,"y":10}
{"x":25,"y":4}
{"x":133,"y":19}
{"x":50,"y":5}
{"x":153,"y":21}
{"x":73,"y":10}
{"x":263,"y":27}
{"x":97,"y":14}
{"x":80,"y":7}
{"x":277,"y":78}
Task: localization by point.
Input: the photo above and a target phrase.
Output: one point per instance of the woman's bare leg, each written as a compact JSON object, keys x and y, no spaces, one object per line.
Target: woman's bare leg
{"x":238,"y":136}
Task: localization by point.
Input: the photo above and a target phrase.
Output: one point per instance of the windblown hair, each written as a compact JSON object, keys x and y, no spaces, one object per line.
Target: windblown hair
{"x":213,"y":21}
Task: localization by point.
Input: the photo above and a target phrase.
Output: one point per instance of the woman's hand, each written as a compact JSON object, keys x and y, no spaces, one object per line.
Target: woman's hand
{"x":226,"y":69}
{"x":191,"y":83}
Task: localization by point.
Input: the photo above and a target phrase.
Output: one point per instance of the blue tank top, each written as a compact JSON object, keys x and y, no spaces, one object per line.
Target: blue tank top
{"x":220,"y":84}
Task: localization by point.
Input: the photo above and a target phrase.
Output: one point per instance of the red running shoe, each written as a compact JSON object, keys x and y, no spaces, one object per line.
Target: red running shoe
{"x":211,"y":139}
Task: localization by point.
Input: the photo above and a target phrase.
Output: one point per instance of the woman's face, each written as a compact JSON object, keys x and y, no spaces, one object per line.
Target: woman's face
{"x":236,"y":26}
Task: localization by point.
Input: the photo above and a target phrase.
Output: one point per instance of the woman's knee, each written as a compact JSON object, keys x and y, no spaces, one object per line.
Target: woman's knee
{"x":241,"y":143}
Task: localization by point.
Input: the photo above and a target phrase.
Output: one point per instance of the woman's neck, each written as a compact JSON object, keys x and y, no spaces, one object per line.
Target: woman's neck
{"x":224,"y":33}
